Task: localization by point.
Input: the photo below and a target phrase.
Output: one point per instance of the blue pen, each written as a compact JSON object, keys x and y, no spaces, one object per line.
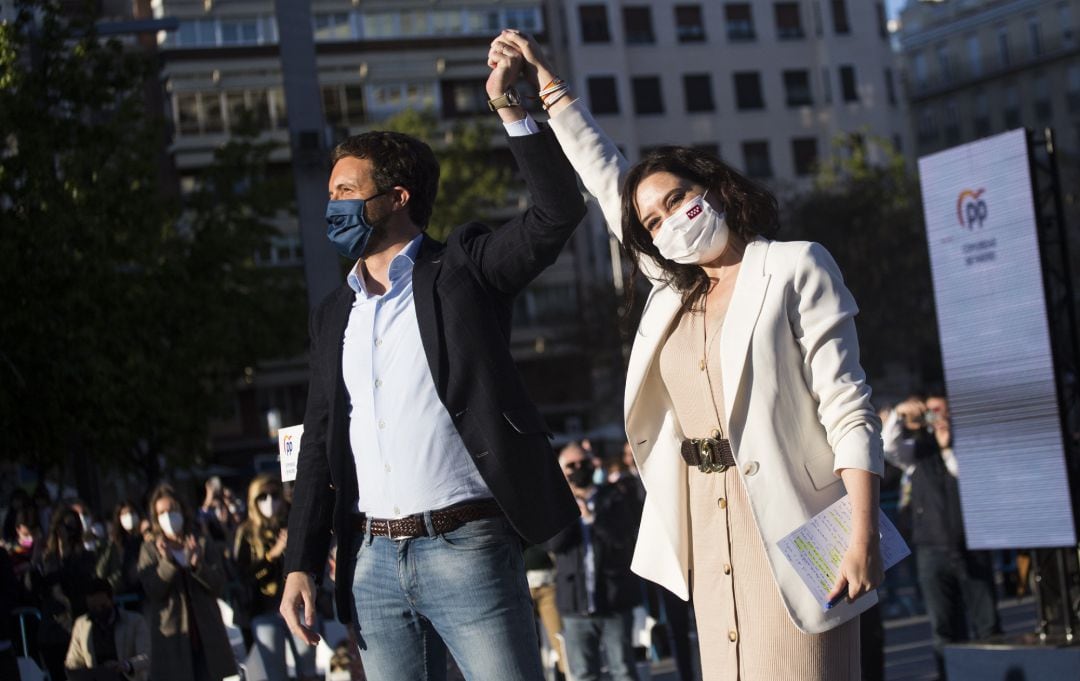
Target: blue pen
{"x":835,"y":601}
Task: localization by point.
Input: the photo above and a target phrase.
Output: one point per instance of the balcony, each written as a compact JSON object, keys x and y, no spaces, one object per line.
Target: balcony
{"x":962,"y":75}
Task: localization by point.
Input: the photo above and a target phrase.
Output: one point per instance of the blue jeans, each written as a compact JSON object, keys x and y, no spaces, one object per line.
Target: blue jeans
{"x":270,"y":632}
{"x":585,"y":637}
{"x":464,"y":590}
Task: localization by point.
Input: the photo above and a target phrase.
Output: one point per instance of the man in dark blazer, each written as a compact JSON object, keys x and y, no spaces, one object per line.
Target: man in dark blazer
{"x":422,"y":452}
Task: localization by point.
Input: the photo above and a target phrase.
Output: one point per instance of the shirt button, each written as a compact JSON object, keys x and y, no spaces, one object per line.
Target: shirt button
{"x":387,"y":468}
{"x":721,"y":502}
{"x":378,"y":383}
{"x":733,"y":636}
{"x":727,"y":569}
{"x":382,"y":424}
{"x":378,"y":342}
{"x":397,"y":511}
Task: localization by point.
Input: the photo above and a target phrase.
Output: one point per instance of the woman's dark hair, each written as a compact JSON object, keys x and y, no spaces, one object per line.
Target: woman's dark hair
{"x":117,"y":533}
{"x":166,"y":491}
{"x":397,"y":160}
{"x":750,"y":211}
{"x":65,"y":532}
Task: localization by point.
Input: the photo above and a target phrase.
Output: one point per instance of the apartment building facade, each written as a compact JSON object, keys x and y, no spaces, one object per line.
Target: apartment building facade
{"x":765,"y":84}
{"x":974,"y":68}
{"x":374,"y":59}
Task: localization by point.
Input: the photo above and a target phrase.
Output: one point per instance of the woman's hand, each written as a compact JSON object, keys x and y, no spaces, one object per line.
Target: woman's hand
{"x":278,"y":548}
{"x":860,"y":571}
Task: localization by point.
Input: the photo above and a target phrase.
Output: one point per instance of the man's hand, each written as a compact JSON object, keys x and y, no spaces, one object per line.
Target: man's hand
{"x":912,"y":413}
{"x":300,"y":593}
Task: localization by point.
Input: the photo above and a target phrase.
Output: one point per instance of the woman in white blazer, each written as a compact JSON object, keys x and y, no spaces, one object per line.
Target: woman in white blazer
{"x":746,"y":353}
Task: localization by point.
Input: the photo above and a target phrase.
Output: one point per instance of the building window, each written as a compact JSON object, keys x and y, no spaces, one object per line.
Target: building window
{"x":1012,"y":107}
{"x":1044,"y":111}
{"x":882,"y":20}
{"x":648,"y":99}
{"x":848,"y":89}
{"x":239,"y":31}
{"x":1065,"y":21}
{"x":788,"y":21}
{"x":952,"y":123}
{"x":523,"y":19}
{"x":332,"y":26}
{"x":804,"y":152}
{"x":279,"y":115}
{"x":187,"y":113}
{"x":944,"y":64}
{"x":689,"y":25}
{"x":698,"y":92}
{"x":797,"y":88}
{"x":981,"y":108}
{"x":447,"y":22}
{"x":890,"y":87}
{"x":594,"y":24}
{"x":918,"y":69}
{"x":756,"y":159}
{"x":739,"y":18}
{"x":637,"y":24}
{"x":463,"y":97}
{"x":247,"y":109}
{"x":926,"y":127}
{"x":974,"y":50}
{"x":826,"y":85}
{"x":343,"y":105}
{"x":748,"y":91}
{"x":1003,"y":45}
{"x":1034,"y":41}
{"x":840,"y":22}
{"x":1072,"y":94}
{"x":602,"y":96}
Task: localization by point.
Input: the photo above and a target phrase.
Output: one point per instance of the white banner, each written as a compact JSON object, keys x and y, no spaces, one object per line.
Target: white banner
{"x":289,"y":450}
{"x":995,"y":344}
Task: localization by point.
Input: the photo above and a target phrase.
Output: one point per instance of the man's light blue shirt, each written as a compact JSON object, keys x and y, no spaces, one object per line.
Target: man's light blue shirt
{"x":409,"y":456}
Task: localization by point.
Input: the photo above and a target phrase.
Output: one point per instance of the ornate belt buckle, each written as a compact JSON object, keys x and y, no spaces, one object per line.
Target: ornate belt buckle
{"x":708,"y":448}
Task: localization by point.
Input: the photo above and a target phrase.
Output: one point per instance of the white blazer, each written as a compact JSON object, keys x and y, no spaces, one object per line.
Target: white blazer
{"x":796,"y":400}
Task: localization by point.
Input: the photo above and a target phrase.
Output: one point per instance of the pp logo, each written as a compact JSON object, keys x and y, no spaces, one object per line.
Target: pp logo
{"x":288,"y":444}
{"x":971,"y":209}
{"x":694,"y":211}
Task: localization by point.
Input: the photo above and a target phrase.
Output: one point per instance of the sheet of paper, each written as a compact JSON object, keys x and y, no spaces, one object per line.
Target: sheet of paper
{"x":289,"y":450}
{"x":816,"y":548}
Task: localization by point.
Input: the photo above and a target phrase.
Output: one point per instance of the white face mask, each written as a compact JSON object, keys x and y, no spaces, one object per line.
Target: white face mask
{"x":127,"y":521}
{"x":693,"y":234}
{"x":269,"y":507}
{"x":172,"y":523}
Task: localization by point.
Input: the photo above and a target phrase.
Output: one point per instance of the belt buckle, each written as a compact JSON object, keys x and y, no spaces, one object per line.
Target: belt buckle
{"x":706,"y":448}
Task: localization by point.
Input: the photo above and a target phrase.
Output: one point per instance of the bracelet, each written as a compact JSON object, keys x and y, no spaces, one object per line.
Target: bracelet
{"x":561,"y":85}
{"x":554,"y":96}
{"x":555,"y":80}
{"x":548,"y":105}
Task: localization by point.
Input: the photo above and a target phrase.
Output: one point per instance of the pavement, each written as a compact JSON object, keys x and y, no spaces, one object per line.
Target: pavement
{"x":909,"y":653}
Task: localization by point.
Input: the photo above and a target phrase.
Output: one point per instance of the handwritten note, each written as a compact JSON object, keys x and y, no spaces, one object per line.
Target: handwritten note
{"x":816,"y":548}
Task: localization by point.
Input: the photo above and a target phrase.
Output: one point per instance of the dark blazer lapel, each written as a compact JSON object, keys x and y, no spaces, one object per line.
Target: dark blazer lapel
{"x":425,"y":270}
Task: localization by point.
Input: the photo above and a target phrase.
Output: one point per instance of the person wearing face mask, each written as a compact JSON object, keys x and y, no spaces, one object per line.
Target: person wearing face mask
{"x":746,"y":406}
{"x":58,"y":580}
{"x":183,"y":575}
{"x":260,"y":547}
{"x":595,"y":592}
{"x":422,"y":450}
{"x":108,"y":638}
{"x":118,"y":562}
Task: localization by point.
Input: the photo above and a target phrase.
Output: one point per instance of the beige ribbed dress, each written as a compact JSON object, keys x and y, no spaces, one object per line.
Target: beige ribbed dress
{"x":744,"y":631}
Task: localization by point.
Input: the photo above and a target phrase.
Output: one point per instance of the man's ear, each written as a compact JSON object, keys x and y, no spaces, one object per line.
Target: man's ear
{"x":401,"y":197}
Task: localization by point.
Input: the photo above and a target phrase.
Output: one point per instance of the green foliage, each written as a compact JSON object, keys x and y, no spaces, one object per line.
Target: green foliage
{"x":126,"y":314}
{"x":868,"y":213}
{"x":470,"y":184}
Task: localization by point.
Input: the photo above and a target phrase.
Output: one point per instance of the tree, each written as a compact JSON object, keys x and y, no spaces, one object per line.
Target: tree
{"x":126,"y":314}
{"x":470,"y":184}
{"x":869,"y":215}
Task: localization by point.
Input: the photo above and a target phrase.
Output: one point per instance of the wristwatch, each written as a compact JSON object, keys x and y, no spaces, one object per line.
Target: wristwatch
{"x":508,"y":98}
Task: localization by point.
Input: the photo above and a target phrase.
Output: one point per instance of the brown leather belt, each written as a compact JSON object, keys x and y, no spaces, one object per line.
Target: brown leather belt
{"x":444,"y":520}
{"x":710,"y":455}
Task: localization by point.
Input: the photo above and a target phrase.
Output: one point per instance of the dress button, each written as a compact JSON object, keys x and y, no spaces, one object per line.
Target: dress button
{"x":722,"y":502}
{"x":727,"y":569}
{"x":750,"y":468}
{"x":733,"y":636}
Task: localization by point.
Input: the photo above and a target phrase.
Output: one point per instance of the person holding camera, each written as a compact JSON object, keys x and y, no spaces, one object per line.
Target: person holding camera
{"x":957,"y":584}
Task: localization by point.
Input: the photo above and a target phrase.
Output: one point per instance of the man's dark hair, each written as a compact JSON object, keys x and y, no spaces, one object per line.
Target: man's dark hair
{"x":398,"y":160}
{"x":97,"y":585}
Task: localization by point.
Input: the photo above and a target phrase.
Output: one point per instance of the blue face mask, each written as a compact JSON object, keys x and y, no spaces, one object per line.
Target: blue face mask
{"x":347,"y":228}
